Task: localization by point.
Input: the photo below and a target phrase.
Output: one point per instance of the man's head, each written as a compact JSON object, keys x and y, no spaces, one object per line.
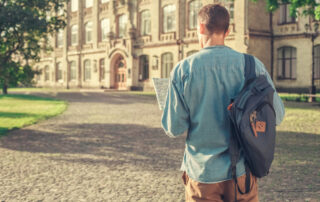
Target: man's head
{"x":213,"y":23}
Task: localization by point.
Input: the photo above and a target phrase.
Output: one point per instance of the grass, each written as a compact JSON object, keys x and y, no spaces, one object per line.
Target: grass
{"x":40,"y":89}
{"x":295,"y":170}
{"x":297,"y":97}
{"x":17,"y":111}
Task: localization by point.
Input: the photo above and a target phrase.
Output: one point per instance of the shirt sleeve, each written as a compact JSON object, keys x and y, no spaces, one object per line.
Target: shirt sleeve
{"x":277,"y":102}
{"x":175,"y":117}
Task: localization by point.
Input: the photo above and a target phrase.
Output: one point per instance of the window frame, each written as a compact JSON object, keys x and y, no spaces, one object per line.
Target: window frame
{"x":143,"y":30}
{"x":59,"y":38}
{"x":102,"y":28}
{"x":164,"y":21}
{"x":74,"y":6}
{"x":73,"y":71}
{"x":284,"y":20}
{"x":59,"y":73}
{"x":87,"y":5}
{"x":144,"y":68}
{"x":119,"y":27}
{"x":165,"y":63}
{"x":283,"y":59}
{"x":195,"y":14}
{"x":87,"y":70}
{"x":102,"y":66}
{"x":317,"y":62}
{"x":47,"y":73}
{"x":86,"y":28}
{"x":74,"y":33}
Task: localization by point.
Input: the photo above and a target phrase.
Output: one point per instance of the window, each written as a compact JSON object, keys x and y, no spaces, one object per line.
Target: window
{"x":143,"y":67}
{"x":60,"y":11}
{"x":285,"y":16}
{"x":169,"y":20}
{"x":73,"y":70}
{"x":102,"y":69}
{"x":74,"y":35}
{"x":287,"y":63}
{"x":60,"y":38}
{"x":194,"y":7}
{"x":167,"y":64}
{"x":191,"y":52}
{"x":46,"y":73}
{"x":89,"y":3}
{"x":74,"y":5}
{"x":59,"y":71}
{"x":104,"y":1}
{"x":105,"y":28}
{"x":38,"y":75}
{"x":88,"y":30}
{"x":317,"y":62}
{"x":122,"y":22}
{"x":145,"y":28}
{"x":87,"y":70}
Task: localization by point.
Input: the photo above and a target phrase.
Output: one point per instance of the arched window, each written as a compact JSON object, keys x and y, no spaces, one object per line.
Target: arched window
{"x":143,"y":67}
{"x":87,"y":70}
{"x":145,"y":23}
{"x":88,"y":32}
{"x":105,"y":28}
{"x":317,"y":62}
{"x":74,"y":35}
{"x":60,"y":38}
{"x":194,"y":7}
{"x":73,"y":70}
{"x":169,"y":18}
{"x":287,"y":62}
{"x":74,"y":5}
{"x":59,"y":71}
{"x":46,"y":73}
{"x":122,"y":24}
{"x":166,"y":64}
{"x":191,"y":52}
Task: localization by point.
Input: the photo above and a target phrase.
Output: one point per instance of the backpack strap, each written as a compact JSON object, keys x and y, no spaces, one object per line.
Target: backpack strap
{"x":249,"y":68}
{"x":249,"y":74}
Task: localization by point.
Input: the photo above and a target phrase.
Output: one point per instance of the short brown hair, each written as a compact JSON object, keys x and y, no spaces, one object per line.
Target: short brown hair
{"x":215,"y":17}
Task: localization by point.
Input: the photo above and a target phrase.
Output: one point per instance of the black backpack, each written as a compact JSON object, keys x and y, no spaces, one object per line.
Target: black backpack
{"x":253,"y":124}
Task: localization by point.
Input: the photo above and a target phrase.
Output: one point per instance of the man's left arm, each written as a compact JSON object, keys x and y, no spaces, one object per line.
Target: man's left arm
{"x":175,"y":117}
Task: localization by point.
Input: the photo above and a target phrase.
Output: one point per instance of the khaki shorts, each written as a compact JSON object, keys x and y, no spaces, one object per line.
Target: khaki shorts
{"x":219,"y":192}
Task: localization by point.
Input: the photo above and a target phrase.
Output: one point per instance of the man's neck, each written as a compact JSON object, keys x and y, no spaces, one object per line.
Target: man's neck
{"x":214,"y":40}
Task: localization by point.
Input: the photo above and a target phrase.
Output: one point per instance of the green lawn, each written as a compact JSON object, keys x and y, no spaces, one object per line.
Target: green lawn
{"x":17,"y":111}
{"x":295,"y":171}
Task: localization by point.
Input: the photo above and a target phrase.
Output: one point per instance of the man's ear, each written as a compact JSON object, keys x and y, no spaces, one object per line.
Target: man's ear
{"x":227,"y":33}
{"x":202,"y":28}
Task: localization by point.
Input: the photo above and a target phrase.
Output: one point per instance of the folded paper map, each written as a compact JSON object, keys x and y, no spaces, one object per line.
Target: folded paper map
{"x":161,"y":88}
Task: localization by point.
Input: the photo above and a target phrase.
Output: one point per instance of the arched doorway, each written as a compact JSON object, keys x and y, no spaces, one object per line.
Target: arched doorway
{"x":120,"y":73}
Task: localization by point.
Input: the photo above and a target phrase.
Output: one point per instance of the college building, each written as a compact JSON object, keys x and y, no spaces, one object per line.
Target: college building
{"x":123,"y":44}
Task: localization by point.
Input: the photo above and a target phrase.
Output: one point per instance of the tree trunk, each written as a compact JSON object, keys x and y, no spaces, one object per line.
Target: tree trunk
{"x":5,"y":89}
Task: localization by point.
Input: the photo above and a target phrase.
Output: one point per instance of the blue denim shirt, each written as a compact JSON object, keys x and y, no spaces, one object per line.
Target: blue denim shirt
{"x":201,"y":87}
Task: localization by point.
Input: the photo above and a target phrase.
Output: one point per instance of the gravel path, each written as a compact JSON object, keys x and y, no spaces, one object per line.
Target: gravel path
{"x":105,"y":147}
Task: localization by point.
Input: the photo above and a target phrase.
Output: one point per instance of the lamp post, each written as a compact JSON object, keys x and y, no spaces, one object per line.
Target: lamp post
{"x":313,"y":35}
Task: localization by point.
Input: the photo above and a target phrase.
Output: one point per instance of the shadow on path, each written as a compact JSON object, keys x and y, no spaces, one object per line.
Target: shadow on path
{"x":112,"y":145}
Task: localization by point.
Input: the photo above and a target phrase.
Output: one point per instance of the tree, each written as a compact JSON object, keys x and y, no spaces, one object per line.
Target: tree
{"x":23,"y":24}
{"x":308,"y":7}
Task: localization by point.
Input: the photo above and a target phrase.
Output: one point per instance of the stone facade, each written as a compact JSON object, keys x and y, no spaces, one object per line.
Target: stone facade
{"x":131,"y":60}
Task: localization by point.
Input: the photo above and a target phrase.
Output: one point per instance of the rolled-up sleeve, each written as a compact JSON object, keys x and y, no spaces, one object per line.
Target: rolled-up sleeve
{"x":277,"y":102}
{"x":175,"y":117}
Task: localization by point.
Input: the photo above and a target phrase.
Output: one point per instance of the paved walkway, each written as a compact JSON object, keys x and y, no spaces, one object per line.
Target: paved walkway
{"x":105,"y":147}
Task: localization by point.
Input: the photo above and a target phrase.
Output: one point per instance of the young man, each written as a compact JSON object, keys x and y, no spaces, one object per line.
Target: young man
{"x":200,"y":90}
